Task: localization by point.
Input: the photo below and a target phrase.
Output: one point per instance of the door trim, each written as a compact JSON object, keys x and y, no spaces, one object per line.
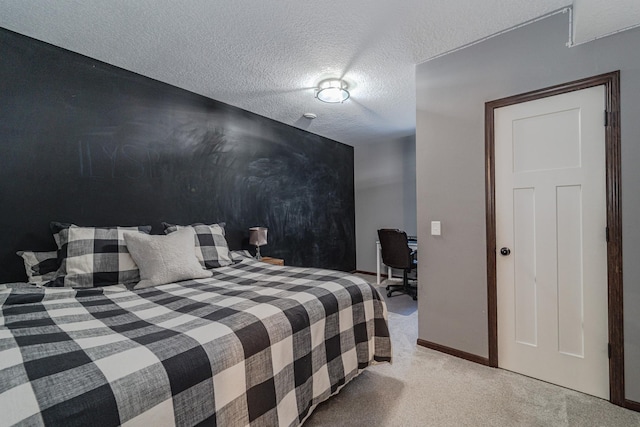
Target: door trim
{"x":611,"y":82}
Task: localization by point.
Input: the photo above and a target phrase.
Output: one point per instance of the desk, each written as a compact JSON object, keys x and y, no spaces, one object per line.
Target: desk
{"x":413,"y":244}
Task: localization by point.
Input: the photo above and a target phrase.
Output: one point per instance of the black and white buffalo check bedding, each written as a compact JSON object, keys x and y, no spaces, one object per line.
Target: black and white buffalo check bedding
{"x":255,"y":345}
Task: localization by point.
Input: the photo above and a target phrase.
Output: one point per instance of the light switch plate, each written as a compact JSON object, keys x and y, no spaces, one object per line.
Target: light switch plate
{"x":435,"y":228}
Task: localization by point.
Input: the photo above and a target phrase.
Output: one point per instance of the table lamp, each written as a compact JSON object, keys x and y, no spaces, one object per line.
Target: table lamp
{"x":258,"y":237}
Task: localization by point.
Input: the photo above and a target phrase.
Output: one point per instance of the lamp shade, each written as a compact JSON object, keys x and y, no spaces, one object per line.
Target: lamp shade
{"x":258,"y":236}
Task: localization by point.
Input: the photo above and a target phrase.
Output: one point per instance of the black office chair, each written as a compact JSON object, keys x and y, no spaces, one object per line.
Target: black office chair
{"x":396,"y":253}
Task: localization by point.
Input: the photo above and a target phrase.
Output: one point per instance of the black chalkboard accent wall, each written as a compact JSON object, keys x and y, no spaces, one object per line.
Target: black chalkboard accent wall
{"x":85,"y":142}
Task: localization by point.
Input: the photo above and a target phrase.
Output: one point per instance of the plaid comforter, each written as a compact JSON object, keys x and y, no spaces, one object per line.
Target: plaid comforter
{"x":255,"y":344}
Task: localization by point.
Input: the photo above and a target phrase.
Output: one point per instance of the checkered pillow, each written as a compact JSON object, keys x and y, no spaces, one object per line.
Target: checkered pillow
{"x":41,"y":267}
{"x":211,"y":246}
{"x":96,"y":256}
{"x":56,"y":228}
{"x":238,"y":256}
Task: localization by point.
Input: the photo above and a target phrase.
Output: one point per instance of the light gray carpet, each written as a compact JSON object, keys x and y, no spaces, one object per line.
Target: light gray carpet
{"x":428,"y":388}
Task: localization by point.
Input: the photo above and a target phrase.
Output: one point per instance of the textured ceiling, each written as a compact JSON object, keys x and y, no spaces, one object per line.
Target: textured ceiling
{"x":267,"y":56}
{"x":598,"y":18}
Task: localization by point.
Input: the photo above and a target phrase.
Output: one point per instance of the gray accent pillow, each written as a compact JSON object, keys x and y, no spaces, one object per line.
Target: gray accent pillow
{"x":165,"y":259}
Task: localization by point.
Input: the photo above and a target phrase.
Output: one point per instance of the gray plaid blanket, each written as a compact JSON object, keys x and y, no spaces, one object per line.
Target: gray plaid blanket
{"x":255,"y":345}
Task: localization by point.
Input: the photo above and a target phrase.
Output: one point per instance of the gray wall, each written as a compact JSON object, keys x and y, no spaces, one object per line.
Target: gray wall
{"x":451,"y":92}
{"x":385,"y":189}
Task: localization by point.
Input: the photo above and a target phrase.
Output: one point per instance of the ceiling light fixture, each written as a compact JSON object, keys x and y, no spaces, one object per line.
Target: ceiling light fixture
{"x":332,"y":91}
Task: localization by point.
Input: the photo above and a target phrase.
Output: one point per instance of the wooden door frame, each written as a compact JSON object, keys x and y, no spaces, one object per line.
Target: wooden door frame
{"x":611,"y":82}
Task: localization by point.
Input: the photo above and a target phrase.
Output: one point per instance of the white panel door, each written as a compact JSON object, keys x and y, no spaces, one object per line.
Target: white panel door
{"x":551,"y":215}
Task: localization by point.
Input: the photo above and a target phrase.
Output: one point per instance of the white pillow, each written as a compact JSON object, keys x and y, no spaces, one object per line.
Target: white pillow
{"x":165,"y":259}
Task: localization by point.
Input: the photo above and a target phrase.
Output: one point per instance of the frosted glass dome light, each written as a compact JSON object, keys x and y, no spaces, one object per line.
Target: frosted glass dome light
{"x":332,"y":91}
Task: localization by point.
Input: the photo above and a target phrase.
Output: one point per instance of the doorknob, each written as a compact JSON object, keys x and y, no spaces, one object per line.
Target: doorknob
{"x":505,"y":251}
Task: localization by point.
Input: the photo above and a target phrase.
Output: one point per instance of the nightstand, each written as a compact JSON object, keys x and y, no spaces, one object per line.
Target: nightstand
{"x":274,"y":261}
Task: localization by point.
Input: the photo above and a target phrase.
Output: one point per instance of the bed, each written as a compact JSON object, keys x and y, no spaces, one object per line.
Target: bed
{"x":252,"y":345}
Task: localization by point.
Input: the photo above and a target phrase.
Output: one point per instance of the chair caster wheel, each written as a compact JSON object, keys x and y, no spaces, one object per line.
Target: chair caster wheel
{"x":387,"y":288}
{"x":415,"y":298}
{"x":389,"y":294}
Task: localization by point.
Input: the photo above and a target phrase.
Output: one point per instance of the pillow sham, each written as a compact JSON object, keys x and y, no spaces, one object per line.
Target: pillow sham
{"x":239,"y":255}
{"x":165,"y":259}
{"x":211,"y":246}
{"x":56,"y":228}
{"x":41,"y":267}
{"x":95,"y":256}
